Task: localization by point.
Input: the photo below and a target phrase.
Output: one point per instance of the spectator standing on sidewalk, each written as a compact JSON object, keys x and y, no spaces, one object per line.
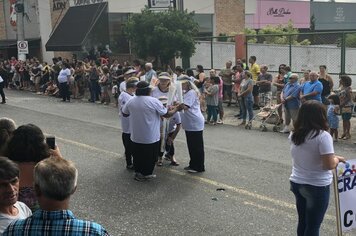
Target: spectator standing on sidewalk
{"x":312,"y":89}
{"x":212,"y":73}
{"x":255,"y":71}
{"x":226,"y":75}
{"x":327,"y":83}
{"x":63,"y":80}
{"x":279,"y":83}
{"x":291,"y":102}
{"x":246,"y":98}
{"x":264,"y":82}
{"x":312,"y":152}
{"x":346,"y":105}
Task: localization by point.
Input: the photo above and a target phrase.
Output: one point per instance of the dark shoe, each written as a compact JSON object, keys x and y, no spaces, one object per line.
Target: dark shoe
{"x":229,"y":104}
{"x":3,"y":102}
{"x":187,"y":168}
{"x":174,"y":163}
{"x":237,"y":115}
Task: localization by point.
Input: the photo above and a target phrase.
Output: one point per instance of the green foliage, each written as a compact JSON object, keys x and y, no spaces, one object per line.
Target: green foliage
{"x":350,"y":40}
{"x":280,"y":34}
{"x":162,"y":35}
{"x":251,"y":33}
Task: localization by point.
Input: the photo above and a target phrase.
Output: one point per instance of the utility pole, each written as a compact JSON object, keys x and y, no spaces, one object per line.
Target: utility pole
{"x":19,"y":8}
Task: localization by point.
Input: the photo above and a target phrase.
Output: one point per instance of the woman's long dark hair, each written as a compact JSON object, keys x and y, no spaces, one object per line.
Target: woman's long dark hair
{"x":311,"y":118}
{"x":27,"y":144}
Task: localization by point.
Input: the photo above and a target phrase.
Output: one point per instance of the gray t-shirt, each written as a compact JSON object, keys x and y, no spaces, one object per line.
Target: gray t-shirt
{"x":5,"y":219}
{"x":244,"y":86}
{"x":213,"y":99}
{"x":264,"y":88}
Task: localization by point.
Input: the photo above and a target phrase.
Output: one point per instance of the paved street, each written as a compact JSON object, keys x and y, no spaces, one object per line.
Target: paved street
{"x":252,"y":167}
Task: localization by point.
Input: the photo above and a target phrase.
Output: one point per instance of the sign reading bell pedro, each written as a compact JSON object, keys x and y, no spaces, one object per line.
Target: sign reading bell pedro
{"x":346,"y":185}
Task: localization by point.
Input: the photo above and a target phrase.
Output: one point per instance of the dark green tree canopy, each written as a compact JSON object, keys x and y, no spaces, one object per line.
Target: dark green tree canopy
{"x":162,"y":35}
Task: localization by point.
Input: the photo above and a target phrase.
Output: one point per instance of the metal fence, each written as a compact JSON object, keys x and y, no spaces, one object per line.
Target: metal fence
{"x":336,"y":50}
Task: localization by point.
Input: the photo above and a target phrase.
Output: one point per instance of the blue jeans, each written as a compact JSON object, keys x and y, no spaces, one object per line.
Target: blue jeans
{"x":212,"y":112}
{"x":247,"y":107}
{"x":312,"y":202}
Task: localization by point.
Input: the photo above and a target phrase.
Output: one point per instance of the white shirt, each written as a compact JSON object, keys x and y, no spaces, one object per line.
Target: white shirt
{"x":192,"y":119}
{"x":122,"y":86}
{"x":173,"y":122}
{"x":5,"y":219}
{"x":307,"y":162}
{"x":145,"y":114}
{"x":157,"y":93}
{"x":125,"y":121}
{"x":1,"y":79}
{"x":63,"y":75}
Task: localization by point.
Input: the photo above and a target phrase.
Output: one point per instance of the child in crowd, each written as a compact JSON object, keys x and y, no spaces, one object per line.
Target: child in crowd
{"x":333,"y":119}
{"x":115,"y":93}
{"x":212,"y":99}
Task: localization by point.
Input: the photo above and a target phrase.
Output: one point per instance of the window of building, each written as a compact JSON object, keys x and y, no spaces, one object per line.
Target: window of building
{"x":206,"y":24}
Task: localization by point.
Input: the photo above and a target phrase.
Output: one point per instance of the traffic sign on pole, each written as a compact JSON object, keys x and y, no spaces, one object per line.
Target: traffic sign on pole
{"x":22,"y":47}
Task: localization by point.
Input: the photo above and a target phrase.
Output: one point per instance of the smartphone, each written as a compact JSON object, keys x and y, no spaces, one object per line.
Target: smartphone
{"x":51,"y":142}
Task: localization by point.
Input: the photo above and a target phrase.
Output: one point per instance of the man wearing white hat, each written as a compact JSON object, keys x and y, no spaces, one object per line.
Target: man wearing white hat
{"x":130,"y":72}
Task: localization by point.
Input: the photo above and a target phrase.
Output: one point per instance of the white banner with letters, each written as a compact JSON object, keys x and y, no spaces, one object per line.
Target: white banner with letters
{"x":346,"y":184}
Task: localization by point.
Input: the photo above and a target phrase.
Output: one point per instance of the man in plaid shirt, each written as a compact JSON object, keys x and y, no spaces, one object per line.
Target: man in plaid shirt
{"x":55,"y":181}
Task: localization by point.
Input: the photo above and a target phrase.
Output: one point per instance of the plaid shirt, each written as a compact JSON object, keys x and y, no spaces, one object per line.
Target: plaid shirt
{"x":54,"y":223}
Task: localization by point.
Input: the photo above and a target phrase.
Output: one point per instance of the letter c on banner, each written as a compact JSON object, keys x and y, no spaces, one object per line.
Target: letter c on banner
{"x":340,"y":185}
{"x":348,"y":223}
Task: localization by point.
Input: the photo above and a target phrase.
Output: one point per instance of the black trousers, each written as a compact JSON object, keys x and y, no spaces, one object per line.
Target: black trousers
{"x":64,"y":91}
{"x":196,"y":150}
{"x":145,"y":157}
{"x":128,"y":148}
{"x":169,"y":148}
{"x":2,"y":91}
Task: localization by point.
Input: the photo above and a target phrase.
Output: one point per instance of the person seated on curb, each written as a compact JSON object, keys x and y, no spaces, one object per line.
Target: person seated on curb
{"x":10,"y":208}
{"x":55,"y":181}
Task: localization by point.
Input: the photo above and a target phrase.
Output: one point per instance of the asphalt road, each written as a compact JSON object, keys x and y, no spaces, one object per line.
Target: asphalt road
{"x":252,"y":167}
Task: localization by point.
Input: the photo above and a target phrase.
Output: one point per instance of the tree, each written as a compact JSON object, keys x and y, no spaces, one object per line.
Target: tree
{"x":162,"y":35}
{"x":280,"y":34}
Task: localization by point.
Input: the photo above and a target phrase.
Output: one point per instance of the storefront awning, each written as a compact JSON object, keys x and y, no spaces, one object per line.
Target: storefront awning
{"x":73,"y":30}
{"x":12,"y":43}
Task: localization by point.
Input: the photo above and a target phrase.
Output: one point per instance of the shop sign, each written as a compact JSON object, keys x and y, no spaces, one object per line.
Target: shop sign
{"x":278,"y":12}
{"x":59,"y":5}
{"x":77,"y":3}
{"x":159,"y":3}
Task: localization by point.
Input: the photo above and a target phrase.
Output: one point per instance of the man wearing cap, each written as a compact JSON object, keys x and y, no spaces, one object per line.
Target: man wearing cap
{"x":124,"y":97}
{"x":290,"y":100}
{"x":144,"y":114}
{"x":130,"y":72}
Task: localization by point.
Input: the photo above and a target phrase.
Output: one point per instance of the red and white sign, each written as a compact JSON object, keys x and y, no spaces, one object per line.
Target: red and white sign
{"x":22,"y":47}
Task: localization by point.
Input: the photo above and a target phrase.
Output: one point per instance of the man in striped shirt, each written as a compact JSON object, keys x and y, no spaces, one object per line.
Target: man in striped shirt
{"x":55,"y":181}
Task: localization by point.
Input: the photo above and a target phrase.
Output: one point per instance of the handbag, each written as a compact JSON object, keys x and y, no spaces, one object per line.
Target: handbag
{"x":347,"y":109}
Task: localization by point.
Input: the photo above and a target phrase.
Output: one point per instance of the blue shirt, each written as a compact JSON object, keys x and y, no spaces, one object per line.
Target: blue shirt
{"x":293,"y":90}
{"x":54,"y":223}
{"x":310,"y":87}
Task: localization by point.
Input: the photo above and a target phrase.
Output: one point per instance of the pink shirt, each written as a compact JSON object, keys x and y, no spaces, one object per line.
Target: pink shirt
{"x":221,"y":88}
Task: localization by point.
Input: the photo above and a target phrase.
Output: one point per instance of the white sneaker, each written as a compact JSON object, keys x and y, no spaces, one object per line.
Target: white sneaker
{"x":285,"y":130}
